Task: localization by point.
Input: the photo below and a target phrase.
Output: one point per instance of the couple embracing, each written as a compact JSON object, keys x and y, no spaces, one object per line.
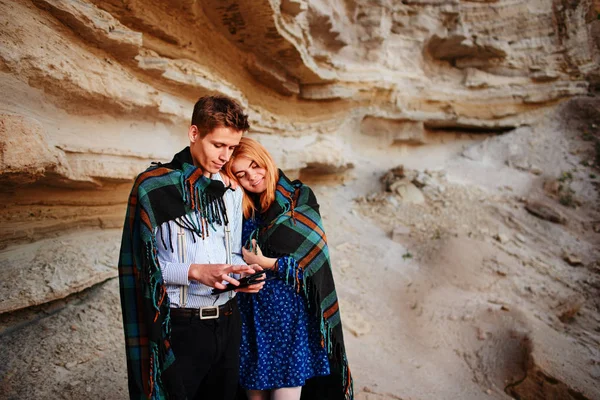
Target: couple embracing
{"x":195,"y":227}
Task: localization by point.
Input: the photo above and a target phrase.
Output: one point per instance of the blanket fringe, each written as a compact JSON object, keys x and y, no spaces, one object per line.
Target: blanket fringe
{"x":211,"y":208}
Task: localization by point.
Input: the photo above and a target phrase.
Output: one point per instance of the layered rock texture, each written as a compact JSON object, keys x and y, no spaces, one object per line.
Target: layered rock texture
{"x":93,"y":91}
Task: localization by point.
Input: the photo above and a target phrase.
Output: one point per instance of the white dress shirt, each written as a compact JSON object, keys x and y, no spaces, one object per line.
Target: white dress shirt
{"x":210,"y":250}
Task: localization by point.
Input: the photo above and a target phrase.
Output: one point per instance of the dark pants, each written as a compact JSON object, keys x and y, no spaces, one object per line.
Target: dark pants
{"x":207,"y":354}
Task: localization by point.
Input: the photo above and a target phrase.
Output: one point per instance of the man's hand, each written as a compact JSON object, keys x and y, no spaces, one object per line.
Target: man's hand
{"x":252,"y":288}
{"x":213,"y":274}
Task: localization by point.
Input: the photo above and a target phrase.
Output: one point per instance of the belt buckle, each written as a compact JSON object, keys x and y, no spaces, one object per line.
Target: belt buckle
{"x":210,"y":312}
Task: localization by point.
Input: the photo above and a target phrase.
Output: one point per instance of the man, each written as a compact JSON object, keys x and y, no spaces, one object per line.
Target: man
{"x":181,"y":225}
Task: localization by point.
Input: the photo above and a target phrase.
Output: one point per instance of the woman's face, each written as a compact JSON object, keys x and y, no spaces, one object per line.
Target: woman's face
{"x":249,"y":174}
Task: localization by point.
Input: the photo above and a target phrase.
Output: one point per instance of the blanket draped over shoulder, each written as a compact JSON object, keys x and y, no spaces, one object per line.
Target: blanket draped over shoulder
{"x":292,"y":226}
{"x":177,"y":191}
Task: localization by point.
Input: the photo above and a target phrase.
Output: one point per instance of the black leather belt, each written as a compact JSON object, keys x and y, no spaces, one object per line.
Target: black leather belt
{"x":210,"y":312}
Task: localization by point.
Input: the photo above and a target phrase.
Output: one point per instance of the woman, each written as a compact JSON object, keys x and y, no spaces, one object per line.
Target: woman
{"x":291,"y":329}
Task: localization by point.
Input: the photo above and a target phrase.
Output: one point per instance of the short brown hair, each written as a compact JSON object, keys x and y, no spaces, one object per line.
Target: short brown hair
{"x":212,"y":112}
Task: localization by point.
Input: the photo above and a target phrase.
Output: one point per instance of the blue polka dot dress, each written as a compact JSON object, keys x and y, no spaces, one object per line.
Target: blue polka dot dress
{"x":281,"y":342}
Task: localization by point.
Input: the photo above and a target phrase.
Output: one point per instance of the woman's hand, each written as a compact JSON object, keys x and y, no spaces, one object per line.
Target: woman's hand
{"x":255,"y":256}
{"x":229,"y":182}
{"x":257,"y":286}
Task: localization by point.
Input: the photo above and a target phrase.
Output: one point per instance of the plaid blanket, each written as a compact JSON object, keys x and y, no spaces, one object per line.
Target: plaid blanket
{"x":162,"y":193}
{"x":292,"y":226}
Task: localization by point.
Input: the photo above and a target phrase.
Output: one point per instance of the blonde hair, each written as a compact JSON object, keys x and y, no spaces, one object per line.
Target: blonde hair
{"x":251,"y":149}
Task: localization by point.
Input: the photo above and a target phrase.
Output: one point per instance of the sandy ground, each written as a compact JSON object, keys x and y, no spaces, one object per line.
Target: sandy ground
{"x":475,"y":289}
{"x":473,"y":297}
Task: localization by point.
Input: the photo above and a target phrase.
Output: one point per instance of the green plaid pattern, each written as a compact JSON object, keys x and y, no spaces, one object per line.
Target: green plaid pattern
{"x":144,"y":302}
{"x":293,"y":226}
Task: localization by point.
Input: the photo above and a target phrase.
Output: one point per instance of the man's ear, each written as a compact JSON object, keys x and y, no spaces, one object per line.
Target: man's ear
{"x":193,"y":134}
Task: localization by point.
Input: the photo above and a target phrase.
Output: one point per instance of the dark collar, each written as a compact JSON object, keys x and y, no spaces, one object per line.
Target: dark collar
{"x":184,"y":161}
{"x":181,"y":158}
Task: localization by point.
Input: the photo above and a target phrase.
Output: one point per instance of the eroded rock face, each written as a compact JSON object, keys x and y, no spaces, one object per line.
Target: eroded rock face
{"x":93,"y":91}
{"x":25,"y":154}
{"x":300,"y":67}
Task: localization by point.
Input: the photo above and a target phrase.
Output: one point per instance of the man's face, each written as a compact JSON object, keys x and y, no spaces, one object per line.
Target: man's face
{"x":213,"y":150}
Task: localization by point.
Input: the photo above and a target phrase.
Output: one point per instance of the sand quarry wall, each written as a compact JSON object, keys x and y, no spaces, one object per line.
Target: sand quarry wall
{"x":93,"y":91}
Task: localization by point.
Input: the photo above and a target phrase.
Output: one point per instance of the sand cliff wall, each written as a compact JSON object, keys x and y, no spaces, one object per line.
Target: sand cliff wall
{"x":92,"y":91}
